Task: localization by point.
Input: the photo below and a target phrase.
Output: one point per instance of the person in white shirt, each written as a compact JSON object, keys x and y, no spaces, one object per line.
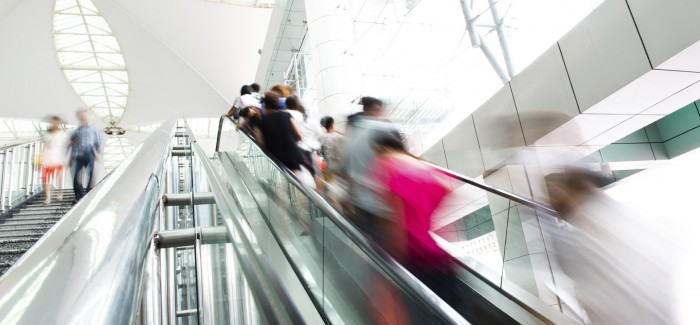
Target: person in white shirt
{"x":309,"y":144}
{"x":243,"y":101}
{"x":53,"y":157}
{"x":256,"y":91}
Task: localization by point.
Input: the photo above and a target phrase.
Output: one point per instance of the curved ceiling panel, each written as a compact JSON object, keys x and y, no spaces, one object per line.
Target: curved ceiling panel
{"x":91,"y":58}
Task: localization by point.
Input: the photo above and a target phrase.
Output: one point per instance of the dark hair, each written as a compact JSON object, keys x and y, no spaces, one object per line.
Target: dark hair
{"x":327,"y":122}
{"x":55,"y":118}
{"x":271,"y":100}
{"x":389,"y":140}
{"x":293,"y":103}
{"x":368,"y":103}
{"x":255,"y":87}
{"x":246,"y":90}
{"x":244,"y":112}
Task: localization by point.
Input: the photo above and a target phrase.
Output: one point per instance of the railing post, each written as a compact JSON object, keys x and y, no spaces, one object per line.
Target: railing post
{"x":10,"y":177}
{"x":218,"y":134}
{"x":27,"y":169}
{"x":3,"y":180}
{"x":35,"y":166}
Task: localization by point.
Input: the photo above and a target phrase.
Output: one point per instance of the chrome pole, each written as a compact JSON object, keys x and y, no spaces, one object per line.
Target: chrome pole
{"x":27,"y":169}
{"x":3,"y":180}
{"x":33,"y":169}
{"x":11,"y":178}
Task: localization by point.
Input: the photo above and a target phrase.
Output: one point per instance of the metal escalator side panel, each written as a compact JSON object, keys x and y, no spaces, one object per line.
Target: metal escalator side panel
{"x":89,"y":268}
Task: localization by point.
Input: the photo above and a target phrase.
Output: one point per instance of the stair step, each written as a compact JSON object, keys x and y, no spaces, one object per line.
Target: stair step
{"x":10,"y":259}
{"x":42,"y":228}
{"x":19,"y":234}
{"x":15,"y":249}
{"x":36,"y":213}
{"x":29,"y":219}
{"x":23,"y":240}
{"x":22,"y":223}
{"x":45,"y":207}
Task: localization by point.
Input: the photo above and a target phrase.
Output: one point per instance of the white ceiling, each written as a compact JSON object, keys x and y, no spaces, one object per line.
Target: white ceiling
{"x":184,"y":57}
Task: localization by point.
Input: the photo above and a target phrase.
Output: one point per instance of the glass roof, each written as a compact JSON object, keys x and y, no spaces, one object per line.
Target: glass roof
{"x":116,"y":149}
{"x":420,"y":58}
{"x":91,"y":58}
{"x":249,"y":3}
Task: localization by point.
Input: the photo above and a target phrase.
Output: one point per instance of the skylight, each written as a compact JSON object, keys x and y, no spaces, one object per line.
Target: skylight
{"x":116,"y":149}
{"x":91,"y":59}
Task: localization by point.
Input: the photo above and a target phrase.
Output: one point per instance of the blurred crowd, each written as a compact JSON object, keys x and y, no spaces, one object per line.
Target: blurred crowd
{"x":79,"y":150}
{"x":366,"y":172}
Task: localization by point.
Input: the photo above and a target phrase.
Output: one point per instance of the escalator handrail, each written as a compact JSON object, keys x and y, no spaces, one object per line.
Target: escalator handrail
{"x":19,"y":144}
{"x":90,"y":265}
{"x":544,"y":315}
{"x":449,"y":173}
{"x":265,"y":284}
{"x":440,"y":309}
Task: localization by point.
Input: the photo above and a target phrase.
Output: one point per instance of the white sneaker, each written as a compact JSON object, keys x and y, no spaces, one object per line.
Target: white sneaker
{"x":59,"y":197}
{"x":47,"y":201}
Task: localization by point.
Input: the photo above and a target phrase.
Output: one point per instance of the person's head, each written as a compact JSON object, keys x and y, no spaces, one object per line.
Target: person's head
{"x":255,"y":87}
{"x":388,"y":142}
{"x":83,"y":116}
{"x":271,"y":101}
{"x":281,"y":90}
{"x":371,"y":106}
{"x":567,"y":189}
{"x":246,"y":90}
{"x":328,"y":123}
{"x":55,"y":123}
{"x":293,"y":103}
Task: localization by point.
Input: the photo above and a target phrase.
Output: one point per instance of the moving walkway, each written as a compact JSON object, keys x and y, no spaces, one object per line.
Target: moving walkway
{"x":174,"y":236}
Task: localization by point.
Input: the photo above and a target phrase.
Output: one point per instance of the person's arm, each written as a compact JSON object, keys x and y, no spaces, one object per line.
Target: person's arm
{"x":295,"y":129}
{"x":98,"y":143}
{"x":259,"y":136}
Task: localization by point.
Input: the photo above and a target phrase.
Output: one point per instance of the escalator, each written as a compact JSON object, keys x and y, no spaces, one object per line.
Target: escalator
{"x":23,"y":225}
{"x":344,"y":271}
{"x":175,"y":236}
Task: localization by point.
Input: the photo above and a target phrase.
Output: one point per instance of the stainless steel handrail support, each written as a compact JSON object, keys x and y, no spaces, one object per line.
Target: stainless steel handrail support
{"x":263,"y":281}
{"x":96,"y":255}
{"x":440,"y":309}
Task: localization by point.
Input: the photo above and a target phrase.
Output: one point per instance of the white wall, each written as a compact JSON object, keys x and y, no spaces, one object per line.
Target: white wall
{"x":184,"y":58}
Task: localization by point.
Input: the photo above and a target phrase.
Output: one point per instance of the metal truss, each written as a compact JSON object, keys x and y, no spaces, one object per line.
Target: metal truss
{"x":91,"y":58}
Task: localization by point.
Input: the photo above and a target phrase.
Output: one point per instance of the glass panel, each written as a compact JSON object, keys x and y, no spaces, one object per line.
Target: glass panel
{"x":338,"y":275}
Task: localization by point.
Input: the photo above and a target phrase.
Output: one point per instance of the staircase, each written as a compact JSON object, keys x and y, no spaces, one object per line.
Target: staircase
{"x":26,"y":223}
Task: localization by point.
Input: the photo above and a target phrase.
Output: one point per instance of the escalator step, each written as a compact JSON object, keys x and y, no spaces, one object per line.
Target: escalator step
{"x":20,"y":234}
{"x":26,"y":221}
{"x":30,"y":223}
{"x":42,"y":228}
{"x":29,"y":218}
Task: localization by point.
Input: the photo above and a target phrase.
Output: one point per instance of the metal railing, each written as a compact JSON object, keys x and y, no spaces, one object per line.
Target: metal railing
{"x":522,"y":299}
{"x":20,"y":173}
{"x":89,"y":268}
{"x":440,"y":310}
{"x":97,"y":264}
{"x":275,"y":303}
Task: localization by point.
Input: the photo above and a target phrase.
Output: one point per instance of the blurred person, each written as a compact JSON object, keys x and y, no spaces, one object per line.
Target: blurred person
{"x":249,"y":119}
{"x":246,"y":99}
{"x":85,"y":144}
{"x":358,"y":156}
{"x":256,"y":91}
{"x":309,"y":144}
{"x":53,"y":157}
{"x":283,"y":91}
{"x":413,"y":191}
{"x":331,"y":147}
{"x":279,"y":133}
{"x":621,"y":268}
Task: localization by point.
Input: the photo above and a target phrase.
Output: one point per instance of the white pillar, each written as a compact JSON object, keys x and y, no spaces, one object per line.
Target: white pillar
{"x":330,"y":35}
